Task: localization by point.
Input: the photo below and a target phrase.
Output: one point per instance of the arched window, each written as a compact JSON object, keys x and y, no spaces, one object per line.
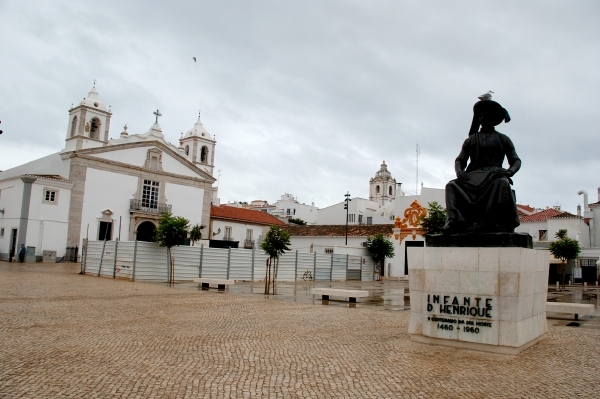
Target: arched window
{"x":74,"y":127}
{"x":95,"y":128}
{"x":377,"y":189}
{"x":187,"y":150}
{"x":204,"y":154}
{"x":390,"y":190}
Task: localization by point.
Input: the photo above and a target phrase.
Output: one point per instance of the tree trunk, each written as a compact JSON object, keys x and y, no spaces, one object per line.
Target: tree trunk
{"x":275,"y":274}
{"x":267,"y":266}
{"x":563,"y":270}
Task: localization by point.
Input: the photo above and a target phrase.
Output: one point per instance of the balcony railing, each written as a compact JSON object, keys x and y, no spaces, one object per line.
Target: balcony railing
{"x":248,"y":244}
{"x":148,"y":206}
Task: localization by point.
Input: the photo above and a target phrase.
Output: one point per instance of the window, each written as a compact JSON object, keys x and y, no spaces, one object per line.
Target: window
{"x":294,"y":211}
{"x":351,"y":217}
{"x":74,"y":127}
{"x":249,"y":233}
{"x":2,"y":232}
{"x":203,"y":154}
{"x":369,"y":220}
{"x":390,"y":190}
{"x":50,"y":196}
{"x":95,"y":128}
{"x":289,"y":212}
{"x":377,"y":189}
{"x":150,"y":194}
{"x":228,"y":236}
{"x":543,"y":235}
{"x":105,"y":231}
{"x":328,"y":250}
{"x":584,"y":262}
{"x":187,"y":150}
{"x":360,"y":217}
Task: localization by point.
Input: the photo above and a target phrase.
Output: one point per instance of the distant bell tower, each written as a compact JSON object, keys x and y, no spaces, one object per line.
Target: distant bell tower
{"x":382,"y":187}
{"x":199,"y":147}
{"x":89,"y":122}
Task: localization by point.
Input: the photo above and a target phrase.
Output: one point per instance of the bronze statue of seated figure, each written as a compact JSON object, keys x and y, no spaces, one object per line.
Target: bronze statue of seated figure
{"x":481,"y":199}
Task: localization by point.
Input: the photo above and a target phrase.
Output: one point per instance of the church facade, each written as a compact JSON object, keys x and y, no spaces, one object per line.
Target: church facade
{"x":101,"y":188}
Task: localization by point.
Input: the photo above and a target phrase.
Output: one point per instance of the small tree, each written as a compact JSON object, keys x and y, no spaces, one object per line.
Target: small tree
{"x":172,"y":231}
{"x":297,"y":221}
{"x":435,"y":219}
{"x":564,"y":248}
{"x":276,"y":242}
{"x":196,"y":233}
{"x":380,"y":248}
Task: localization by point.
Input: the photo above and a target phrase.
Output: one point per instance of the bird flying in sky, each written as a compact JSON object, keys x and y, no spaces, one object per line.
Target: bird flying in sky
{"x":194,"y":59}
{"x":486,"y":96}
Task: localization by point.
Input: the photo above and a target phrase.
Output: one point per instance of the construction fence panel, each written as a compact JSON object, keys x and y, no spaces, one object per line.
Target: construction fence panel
{"x":124,"y":265}
{"x":240,"y":267}
{"x":107,"y":261}
{"x":306,"y":266}
{"x":286,"y":267}
{"x":354,"y":264}
{"x":214,"y":263}
{"x":93,"y":256}
{"x":151,"y":262}
{"x":323,"y":268}
{"x":186,"y":262}
{"x":366,"y":273}
{"x":260,"y":265}
{"x":339,"y":267}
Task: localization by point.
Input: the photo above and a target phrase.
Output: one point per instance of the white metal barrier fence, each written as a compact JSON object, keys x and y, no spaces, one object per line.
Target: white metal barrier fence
{"x":139,"y":260}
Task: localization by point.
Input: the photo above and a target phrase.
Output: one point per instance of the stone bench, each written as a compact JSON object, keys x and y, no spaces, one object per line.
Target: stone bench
{"x":350,"y":294}
{"x":221,"y":283}
{"x":571,"y":308}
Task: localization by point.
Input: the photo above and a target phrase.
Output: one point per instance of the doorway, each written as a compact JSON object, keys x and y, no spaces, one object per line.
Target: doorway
{"x":13,"y":245}
{"x":146,"y":232}
{"x":410,"y":244}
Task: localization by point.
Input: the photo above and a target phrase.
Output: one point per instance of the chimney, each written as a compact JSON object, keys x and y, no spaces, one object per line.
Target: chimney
{"x":579,"y":210}
{"x":585,"y":199}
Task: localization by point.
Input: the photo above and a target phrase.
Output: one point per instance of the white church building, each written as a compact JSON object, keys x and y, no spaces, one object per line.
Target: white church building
{"x":101,"y":188}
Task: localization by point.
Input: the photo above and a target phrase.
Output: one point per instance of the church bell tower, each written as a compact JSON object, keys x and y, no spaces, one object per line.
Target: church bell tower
{"x":382,"y":187}
{"x":199,"y":147}
{"x":89,"y":123}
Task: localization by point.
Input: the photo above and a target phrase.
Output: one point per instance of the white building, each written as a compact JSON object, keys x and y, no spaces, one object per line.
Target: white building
{"x":105,"y":189}
{"x":237,"y":227}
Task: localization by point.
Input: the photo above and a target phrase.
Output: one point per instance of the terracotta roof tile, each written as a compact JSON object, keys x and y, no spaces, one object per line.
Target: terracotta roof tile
{"x":244,"y":215}
{"x":340,"y":230}
{"x":546,"y":214}
{"x":524,"y":209}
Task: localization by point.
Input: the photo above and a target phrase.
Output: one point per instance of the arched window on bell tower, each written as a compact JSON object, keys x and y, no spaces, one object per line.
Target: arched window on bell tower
{"x":390,"y":190}
{"x":204,"y":154}
{"x":187,"y":150}
{"x":74,"y":126}
{"x":377,"y":189}
{"x":95,"y":128}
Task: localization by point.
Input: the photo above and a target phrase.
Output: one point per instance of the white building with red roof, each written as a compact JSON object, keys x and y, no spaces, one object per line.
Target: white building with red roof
{"x":233,"y":227}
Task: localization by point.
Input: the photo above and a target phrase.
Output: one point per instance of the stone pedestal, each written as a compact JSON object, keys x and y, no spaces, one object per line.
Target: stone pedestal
{"x":488,"y":299}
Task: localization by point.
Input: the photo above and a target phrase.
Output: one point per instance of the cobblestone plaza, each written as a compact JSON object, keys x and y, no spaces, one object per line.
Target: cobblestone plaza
{"x":68,"y":335}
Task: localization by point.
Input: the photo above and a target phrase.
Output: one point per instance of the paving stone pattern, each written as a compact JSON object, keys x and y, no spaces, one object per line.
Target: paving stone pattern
{"x":66,"y":335}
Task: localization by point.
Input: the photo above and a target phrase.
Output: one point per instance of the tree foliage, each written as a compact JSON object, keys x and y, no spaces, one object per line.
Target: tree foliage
{"x":297,"y":221}
{"x":435,"y":219}
{"x":172,"y":231}
{"x":196,"y":233}
{"x":565,"y":249}
{"x":276,"y":242}
{"x":380,"y":248}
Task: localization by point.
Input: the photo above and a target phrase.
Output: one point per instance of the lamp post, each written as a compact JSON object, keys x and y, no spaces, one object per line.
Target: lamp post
{"x":347,"y":195}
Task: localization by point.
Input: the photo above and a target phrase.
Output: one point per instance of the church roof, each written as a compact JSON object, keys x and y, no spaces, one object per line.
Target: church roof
{"x":198,"y":130}
{"x":244,"y":215}
{"x":383,"y":173}
{"x":51,"y":177}
{"x":364,"y":230}
{"x":93,"y":100}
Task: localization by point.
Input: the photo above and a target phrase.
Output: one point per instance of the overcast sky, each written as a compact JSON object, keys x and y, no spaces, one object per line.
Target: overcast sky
{"x":308,"y":97}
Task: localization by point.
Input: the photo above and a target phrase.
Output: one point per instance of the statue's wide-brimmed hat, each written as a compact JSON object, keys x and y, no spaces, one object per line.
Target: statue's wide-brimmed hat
{"x":488,"y":112}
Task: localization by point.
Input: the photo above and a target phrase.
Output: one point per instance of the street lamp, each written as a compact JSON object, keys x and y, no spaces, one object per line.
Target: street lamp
{"x":347,"y":195}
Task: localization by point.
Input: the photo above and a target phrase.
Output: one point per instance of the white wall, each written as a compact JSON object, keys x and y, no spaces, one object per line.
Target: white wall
{"x":107,"y":190}
{"x":307,"y":213}
{"x":303,"y":244}
{"x":186,"y":201}
{"x":11,"y":195}
{"x":238,"y":231}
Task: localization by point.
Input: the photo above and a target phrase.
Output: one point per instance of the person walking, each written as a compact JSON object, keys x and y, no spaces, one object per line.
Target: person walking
{"x":22,"y":252}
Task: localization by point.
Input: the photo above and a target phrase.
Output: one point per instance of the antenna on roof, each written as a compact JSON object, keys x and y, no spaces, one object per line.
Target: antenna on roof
{"x":417,"y":179}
